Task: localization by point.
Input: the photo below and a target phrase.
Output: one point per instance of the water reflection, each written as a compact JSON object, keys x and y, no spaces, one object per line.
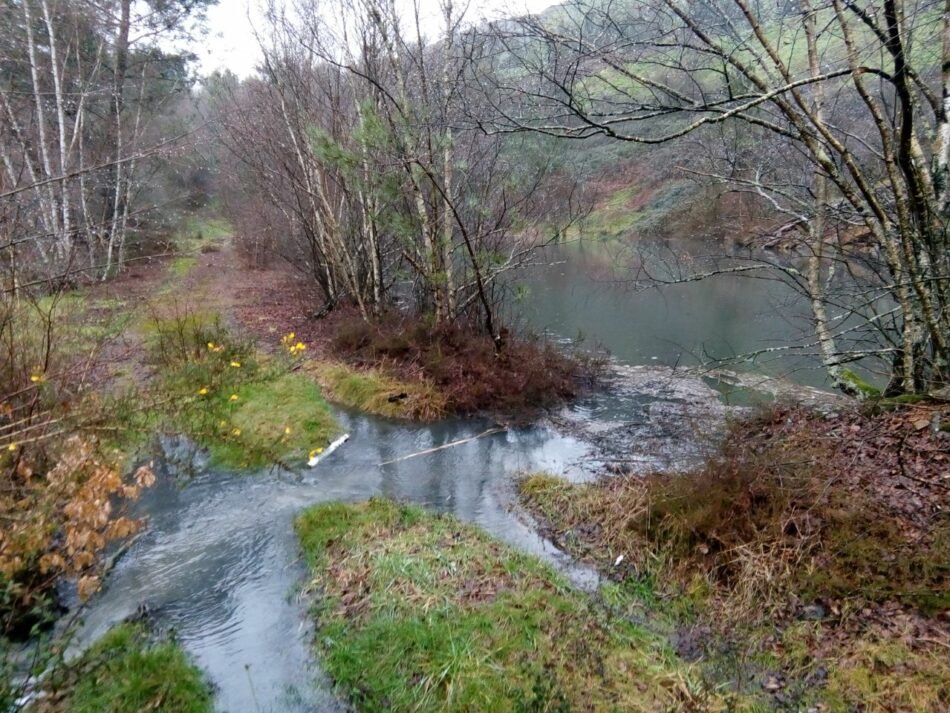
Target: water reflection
{"x":589,"y":292}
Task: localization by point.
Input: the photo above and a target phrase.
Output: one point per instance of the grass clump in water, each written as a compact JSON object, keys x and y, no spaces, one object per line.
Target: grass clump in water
{"x":372,"y":391}
{"x":127,"y":672}
{"x":420,"y":612}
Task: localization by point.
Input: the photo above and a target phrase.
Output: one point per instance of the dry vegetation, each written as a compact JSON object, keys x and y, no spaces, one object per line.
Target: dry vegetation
{"x":816,"y":548}
{"x":463,"y":366}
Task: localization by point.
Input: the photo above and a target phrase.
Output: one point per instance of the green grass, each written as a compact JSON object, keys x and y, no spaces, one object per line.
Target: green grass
{"x":182,"y":265}
{"x":371,"y":391}
{"x":249,"y":411}
{"x":281,"y":418}
{"x":126,"y":672}
{"x":197,"y":232}
{"x":420,"y":612}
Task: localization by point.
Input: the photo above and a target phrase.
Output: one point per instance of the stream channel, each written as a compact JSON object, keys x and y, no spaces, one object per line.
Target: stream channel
{"x":219,"y":564}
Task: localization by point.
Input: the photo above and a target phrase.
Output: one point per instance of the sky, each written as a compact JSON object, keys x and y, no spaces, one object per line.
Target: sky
{"x":230,"y":43}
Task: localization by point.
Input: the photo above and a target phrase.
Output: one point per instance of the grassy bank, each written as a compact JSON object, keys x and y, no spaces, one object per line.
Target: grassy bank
{"x":127,"y":672}
{"x":249,"y":410}
{"x":795,"y":561}
{"x":376,"y":392}
{"x":420,"y":612}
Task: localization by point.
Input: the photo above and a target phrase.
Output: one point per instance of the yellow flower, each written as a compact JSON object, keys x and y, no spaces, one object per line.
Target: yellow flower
{"x":287,"y":430}
{"x":236,"y":432}
{"x":234,"y":397}
{"x":236,"y":364}
{"x":203,"y":391}
{"x":223,"y":424}
{"x":300,"y":346}
{"x":211,"y":345}
{"x":11,"y":447}
{"x":37,"y":378}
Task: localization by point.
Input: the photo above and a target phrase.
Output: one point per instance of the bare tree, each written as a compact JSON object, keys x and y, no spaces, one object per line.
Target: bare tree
{"x":853,"y":96}
{"x":387,"y":192}
{"x":82,"y":89}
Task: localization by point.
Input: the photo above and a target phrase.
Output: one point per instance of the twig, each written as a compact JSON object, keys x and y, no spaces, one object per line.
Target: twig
{"x":489,"y":432}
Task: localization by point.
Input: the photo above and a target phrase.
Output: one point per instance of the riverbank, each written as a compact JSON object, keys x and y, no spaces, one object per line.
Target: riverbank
{"x":420,"y":612}
{"x":128,"y":671}
{"x":806,"y":561}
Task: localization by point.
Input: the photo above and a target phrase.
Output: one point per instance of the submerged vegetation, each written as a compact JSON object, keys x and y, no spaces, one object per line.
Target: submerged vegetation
{"x":419,"y":612}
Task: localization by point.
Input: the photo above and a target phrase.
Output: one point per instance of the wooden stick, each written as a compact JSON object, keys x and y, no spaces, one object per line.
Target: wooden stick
{"x":489,"y":432}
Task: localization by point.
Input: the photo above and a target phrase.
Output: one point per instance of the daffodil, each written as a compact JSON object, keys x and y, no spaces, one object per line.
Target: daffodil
{"x":234,"y":397}
{"x":236,"y":364}
{"x":203,"y":391}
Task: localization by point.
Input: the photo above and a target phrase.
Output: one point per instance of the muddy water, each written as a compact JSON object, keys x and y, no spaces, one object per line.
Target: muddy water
{"x":219,"y":567}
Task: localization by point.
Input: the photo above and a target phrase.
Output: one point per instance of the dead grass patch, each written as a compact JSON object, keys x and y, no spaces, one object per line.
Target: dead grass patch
{"x":373,"y":391}
{"x":798,"y":516}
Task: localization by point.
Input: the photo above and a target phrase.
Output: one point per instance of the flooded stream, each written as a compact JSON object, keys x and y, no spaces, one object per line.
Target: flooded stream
{"x":219,"y":563}
{"x":219,"y":566}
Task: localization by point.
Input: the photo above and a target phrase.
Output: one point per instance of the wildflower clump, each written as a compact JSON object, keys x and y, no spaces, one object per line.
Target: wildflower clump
{"x":248,"y":412}
{"x":293,"y":347}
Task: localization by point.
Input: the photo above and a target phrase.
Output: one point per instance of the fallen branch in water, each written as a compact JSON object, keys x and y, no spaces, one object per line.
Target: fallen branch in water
{"x":489,"y":432}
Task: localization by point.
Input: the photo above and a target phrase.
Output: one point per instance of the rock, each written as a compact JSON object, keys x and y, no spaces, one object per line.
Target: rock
{"x":813,"y":612}
{"x":941,"y":394}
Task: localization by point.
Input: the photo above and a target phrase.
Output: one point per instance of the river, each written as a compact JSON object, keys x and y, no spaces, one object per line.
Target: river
{"x":219,"y":567}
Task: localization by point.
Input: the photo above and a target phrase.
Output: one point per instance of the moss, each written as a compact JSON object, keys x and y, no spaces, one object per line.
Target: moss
{"x":420,"y":612}
{"x":854,"y":383}
{"x":372,"y":391}
{"x":126,"y":672}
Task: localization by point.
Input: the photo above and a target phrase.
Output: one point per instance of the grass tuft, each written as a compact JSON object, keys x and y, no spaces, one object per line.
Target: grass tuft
{"x":126,"y":672}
